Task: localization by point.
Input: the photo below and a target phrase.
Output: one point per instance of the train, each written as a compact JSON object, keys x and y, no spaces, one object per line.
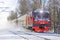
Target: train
{"x":38,"y":20}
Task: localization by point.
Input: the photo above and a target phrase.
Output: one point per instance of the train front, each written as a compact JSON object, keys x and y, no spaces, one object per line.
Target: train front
{"x":41,"y":20}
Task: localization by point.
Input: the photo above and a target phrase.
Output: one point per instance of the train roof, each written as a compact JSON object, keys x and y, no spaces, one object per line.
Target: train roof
{"x":40,"y":11}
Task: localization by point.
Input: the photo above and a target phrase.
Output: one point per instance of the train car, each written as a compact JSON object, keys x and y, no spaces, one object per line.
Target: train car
{"x":38,"y":20}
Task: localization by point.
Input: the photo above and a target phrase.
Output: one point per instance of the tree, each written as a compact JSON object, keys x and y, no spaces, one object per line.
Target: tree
{"x":23,"y":6}
{"x":12,"y":16}
{"x":54,"y":13}
{"x":36,"y":4}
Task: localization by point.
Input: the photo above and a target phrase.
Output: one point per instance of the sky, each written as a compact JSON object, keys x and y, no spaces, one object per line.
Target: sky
{"x":8,"y":5}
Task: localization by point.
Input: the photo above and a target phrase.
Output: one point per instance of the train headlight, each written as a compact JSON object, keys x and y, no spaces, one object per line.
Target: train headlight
{"x":41,"y":11}
{"x":48,"y":20}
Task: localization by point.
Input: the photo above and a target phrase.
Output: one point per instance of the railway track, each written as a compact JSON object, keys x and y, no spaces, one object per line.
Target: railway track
{"x":25,"y":33}
{"x":19,"y":36}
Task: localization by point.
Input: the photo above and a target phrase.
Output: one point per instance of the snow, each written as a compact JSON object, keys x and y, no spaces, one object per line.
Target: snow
{"x":11,"y":4}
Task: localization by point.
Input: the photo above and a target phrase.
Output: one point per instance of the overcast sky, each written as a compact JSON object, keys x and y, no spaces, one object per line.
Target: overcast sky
{"x":8,"y":5}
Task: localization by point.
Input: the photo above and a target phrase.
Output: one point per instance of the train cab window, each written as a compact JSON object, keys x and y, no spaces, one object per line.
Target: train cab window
{"x":46,"y":15}
{"x":40,"y":15}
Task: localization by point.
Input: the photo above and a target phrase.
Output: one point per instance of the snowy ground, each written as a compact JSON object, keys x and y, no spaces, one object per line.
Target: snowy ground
{"x":18,"y":34}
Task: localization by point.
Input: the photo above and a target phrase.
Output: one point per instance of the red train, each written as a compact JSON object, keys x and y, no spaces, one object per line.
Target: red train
{"x":38,"y":20}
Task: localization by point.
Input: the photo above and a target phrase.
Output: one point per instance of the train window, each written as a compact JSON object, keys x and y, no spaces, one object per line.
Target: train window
{"x":46,"y":15}
{"x":42,"y":16}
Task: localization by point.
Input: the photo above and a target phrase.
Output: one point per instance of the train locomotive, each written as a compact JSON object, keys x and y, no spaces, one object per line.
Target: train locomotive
{"x":38,"y":20}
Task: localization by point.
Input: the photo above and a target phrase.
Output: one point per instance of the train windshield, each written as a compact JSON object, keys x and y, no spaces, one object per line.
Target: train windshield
{"x":43,"y":15}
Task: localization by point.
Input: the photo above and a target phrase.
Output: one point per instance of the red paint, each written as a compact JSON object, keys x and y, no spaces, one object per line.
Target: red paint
{"x":47,"y":28}
{"x":37,"y":29}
